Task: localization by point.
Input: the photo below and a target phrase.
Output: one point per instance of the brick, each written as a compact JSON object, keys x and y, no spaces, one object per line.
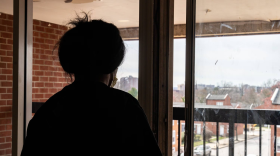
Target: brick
{"x":6,"y":84}
{"x":43,"y":90}
{"x":49,"y":62}
{"x":9,"y":102}
{"x":53,"y":79}
{"x":10,"y":29}
{"x":41,"y":62}
{"x":36,"y":22}
{"x":3,"y":65}
{"x":2,"y":128}
{"x":49,"y":85}
{"x":5,"y":109}
{"x":3,"y":152}
{"x":35,"y":78}
{"x":57,"y":84}
{"x":6,"y":96}
{"x":48,"y":73}
{"x":9,"y":127}
{"x":9,"y":53}
{"x":36,"y":45}
{"x":6,"y":59}
{"x":39,"y":73}
{"x":48,"y":96}
{"x":39,"y":51}
{"x":37,"y":96}
{"x":44,"y":46}
{"x":39,"y":28}
{"x":51,"y":68}
{"x":5,"y":121}
{"x":6,"y":145}
{"x":44,"y":68}
{"x":3,"y":52}
{"x":44,"y":57}
{"x":44,"y":79}
{"x":53,"y":36}
{"x":3,"y":16}
{"x":35,"y":90}
{"x":39,"y":84}
{"x":7,"y":71}
{"x":3,"y":77}
{"x":49,"y":30}
{"x":57,"y":74}
{"x":3,"y":28}
{"x":36,"y":67}
{"x":9,"y":90}
{"x":36,"y":56}
{"x":62,"y":27}
{"x":6,"y":22}
{"x":3,"y":40}
{"x":2,"y":115}
{"x":36,"y":34}
{"x":8,"y":139}
{"x":3,"y":102}
{"x":9,"y":114}
{"x":39,"y":40}
{"x":9,"y":66}
{"x":6,"y":47}
{"x":3,"y":90}
{"x":6,"y":35}
{"x":52,"y":90}
{"x":8,"y":152}
{"x":10,"y":17}
{"x":49,"y":41}
{"x":3,"y":140}
{"x":44,"y":35}
{"x":9,"y":77}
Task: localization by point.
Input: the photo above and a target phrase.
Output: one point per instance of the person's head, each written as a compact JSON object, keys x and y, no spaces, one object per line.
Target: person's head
{"x":91,"y":50}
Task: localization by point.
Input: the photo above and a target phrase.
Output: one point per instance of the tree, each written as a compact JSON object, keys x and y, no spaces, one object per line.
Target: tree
{"x":200,"y":95}
{"x":134,"y":92}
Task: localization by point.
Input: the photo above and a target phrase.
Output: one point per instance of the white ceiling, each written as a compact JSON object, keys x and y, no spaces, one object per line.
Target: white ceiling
{"x":125,"y":13}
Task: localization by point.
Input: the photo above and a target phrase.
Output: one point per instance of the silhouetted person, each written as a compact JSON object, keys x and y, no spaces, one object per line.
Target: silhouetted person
{"x":88,"y":117}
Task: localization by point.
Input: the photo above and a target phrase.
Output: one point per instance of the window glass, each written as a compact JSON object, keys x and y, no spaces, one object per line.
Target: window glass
{"x":237,"y":69}
{"x":50,"y":23}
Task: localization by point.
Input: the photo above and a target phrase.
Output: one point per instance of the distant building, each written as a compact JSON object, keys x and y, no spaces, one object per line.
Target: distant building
{"x":181,"y":87}
{"x":200,"y":86}
{"x":126,"y":83}
{"x":210,"y":87}
{"x":219,"y":100}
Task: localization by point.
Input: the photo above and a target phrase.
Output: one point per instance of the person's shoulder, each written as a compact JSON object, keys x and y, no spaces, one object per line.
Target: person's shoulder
{"x":49,"y":105}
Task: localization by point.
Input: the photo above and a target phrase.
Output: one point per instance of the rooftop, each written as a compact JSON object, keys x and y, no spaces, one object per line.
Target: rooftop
{"x":216,"y":97}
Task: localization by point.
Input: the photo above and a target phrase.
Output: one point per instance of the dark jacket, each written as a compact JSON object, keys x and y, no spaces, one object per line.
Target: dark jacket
{"x":90,"y":119}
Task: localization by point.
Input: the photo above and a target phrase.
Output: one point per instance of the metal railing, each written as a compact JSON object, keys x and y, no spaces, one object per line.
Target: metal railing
{"x":231,"y":116}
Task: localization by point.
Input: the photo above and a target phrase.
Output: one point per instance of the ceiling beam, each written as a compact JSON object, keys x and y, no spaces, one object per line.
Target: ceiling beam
{"x":216,"y":29}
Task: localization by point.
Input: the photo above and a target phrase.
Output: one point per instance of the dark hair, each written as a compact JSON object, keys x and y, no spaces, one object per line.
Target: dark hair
{"x":91,"y":47}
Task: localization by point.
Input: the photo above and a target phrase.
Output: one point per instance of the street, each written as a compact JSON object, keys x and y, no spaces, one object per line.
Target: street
{"x":252,"y":146}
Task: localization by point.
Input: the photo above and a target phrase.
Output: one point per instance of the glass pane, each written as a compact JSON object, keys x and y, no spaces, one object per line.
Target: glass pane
{"x":237,"y":69}
{"x":179,"y":62}
{"x":50,"y":23}
{"x":6,"y":76}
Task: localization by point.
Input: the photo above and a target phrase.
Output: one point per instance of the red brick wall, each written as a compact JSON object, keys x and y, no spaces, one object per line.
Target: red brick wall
{"x":6,"y":77}
{"x":48,"y":76}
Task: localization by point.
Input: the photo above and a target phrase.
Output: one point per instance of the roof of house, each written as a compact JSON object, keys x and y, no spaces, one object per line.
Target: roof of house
{"x":216,"y":97}
{"x":275,"y":97}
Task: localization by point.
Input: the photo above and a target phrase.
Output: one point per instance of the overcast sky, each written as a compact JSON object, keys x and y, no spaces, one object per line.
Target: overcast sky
{"x":240,"y":59}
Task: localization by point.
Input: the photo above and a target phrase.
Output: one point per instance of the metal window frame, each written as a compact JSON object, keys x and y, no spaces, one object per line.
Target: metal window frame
{"x":22,"y":71}
{"x":190,"y":70}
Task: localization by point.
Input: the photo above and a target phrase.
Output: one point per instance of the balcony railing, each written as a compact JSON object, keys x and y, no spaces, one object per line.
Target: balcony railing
{"x":231,"y":116}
